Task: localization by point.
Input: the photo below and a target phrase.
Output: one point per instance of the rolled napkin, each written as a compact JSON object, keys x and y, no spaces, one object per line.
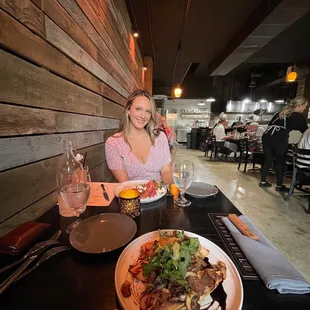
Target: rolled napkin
{"x":273,"y":268}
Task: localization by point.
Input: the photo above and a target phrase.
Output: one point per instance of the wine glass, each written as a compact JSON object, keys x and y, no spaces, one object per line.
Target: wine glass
{"x":183,"y":173}
{"x":74,"y":190}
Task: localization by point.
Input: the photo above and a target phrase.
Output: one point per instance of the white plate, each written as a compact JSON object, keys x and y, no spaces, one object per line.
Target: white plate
{"x":201,"y":190}
{"x":101,"y":233}
{"x":232,"y":284}
{"x":134,"y":183}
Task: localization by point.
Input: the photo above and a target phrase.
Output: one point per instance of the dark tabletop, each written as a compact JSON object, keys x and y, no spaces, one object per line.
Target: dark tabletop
{"x":73,"y":280}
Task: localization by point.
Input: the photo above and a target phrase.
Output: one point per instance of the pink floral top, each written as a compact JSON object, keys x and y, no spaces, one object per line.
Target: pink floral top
{"x":119,"y":156}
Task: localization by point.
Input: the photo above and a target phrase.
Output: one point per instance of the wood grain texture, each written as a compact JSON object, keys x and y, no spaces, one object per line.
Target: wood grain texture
{"x":29,"y":214}
{"x":22,"y":41}
{"x":56,"y":36}
{"x":17,"y":120}
{"x":104,"y":57}
{"x":19,"y":151}
{"x":36,"y":180}
{"x":125,"y":46}
{"x":96,"y":15}
{"x":27,"y":84}
{"x":118,"y":18}
{"x":27,"y":13}
{"x":100,"y":173}
{"x":38,"y":3}
{"x":108,"y":133}
{"x":110,"y":109}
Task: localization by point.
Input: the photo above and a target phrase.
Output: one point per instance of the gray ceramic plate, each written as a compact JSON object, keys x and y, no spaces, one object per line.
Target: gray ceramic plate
{"x":103,"y":233}
{"x":201,"y":190}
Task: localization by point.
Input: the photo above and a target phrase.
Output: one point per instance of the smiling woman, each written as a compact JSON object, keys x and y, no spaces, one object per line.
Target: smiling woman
{"x":138,"y":150}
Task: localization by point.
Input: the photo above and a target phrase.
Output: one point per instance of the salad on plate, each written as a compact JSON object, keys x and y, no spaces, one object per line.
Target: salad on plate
{"x":151,"y":189}
{"x":172,"y":273}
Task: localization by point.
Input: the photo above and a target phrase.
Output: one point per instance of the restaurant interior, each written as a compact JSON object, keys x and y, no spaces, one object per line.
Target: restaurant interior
{"x":142,"y":142}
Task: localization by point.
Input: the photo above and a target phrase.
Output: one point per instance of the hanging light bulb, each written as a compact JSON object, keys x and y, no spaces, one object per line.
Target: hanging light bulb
{"x":292,"y":76}
{"x":178,"y":92}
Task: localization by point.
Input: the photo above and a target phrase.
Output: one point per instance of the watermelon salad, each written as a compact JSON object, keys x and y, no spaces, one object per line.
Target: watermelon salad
{"x":151,"y":189}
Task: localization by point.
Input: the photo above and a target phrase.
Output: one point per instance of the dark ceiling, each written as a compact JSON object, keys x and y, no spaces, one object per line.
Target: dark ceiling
{"x":191,"y":39}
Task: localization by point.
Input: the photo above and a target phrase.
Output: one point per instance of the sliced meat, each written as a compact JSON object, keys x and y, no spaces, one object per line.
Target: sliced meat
{"x":196,"y":285}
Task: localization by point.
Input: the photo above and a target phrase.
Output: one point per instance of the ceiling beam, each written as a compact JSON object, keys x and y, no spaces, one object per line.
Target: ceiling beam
{"x":267,"y":21}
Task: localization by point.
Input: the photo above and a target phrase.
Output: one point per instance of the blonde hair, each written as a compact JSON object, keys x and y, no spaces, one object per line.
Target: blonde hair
{"x":291,"y":106}
{"x":150,"y":127}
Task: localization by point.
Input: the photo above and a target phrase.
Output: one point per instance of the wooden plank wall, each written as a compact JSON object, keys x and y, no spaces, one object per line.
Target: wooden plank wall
{"x":66,"y":68}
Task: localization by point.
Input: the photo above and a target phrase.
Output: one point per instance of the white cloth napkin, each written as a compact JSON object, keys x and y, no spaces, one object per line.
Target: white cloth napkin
{"x":273,"y":268}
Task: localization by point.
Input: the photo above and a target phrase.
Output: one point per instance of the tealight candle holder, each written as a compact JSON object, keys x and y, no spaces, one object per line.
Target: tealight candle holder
{"x":129,"y":202}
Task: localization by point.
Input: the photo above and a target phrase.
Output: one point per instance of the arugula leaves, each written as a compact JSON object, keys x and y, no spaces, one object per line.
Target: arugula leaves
{"x":172,"y":261}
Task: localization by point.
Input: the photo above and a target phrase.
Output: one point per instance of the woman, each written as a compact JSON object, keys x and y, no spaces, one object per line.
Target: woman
{"x":139,"y":151}
{"x":275,"y":139}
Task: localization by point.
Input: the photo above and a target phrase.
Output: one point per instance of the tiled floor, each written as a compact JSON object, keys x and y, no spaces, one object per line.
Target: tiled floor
{"x":285,"y":224}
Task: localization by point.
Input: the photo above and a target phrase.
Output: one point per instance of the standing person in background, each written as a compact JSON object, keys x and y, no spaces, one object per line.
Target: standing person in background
{"x":237,"y":123}
{"x":139,"y":151}
{"x":275,"y":139}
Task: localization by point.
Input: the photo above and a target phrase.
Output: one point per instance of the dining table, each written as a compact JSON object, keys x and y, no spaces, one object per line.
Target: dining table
{"x":73,"y":280}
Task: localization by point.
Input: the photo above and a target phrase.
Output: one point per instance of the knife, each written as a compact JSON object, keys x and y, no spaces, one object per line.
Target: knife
{"x":105,"y":194}
{"x":4,"y":285}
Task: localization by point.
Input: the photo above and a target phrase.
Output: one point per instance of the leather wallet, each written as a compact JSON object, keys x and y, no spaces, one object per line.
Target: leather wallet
{"x":22,"y":237}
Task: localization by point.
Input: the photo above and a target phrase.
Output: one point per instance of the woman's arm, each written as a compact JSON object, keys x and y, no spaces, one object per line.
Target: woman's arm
{"x":120,"y":175}
{"x":115,"y":160}
{"x":166,"y":174}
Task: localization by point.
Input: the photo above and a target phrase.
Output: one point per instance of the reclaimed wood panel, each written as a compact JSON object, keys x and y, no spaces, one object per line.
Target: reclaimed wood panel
{"x":38,"y":3}
{"x":56,"y":36}
{"x":97,"y":18}
{"x":17,"y":120}
{"x":68,"y":122}
{"x":23,"y":186}
{"x":27,"y":13}
{"x":22,"y":41}
{"x":127,"y":46}
{"x":108,"y":133}
{"x":104,"y":58}
{"x":100,"y":173}
{"x":26,"y":84}
{"x":118,"y":21}
{"x":110,"y":109}
{"x":29,"y":214}
{"x":18,"y":151}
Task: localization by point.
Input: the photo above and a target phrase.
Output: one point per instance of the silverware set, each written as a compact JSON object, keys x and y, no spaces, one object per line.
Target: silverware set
{"x":29,"y":257}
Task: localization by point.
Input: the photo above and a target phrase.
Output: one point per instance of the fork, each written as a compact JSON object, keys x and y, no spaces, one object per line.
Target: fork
{"x":34,"y":250}
{"x":43,"y":258}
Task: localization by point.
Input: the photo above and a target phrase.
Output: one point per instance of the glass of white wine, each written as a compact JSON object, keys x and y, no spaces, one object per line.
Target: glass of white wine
{"x":74,"y":190}
{"x":183,"y":173}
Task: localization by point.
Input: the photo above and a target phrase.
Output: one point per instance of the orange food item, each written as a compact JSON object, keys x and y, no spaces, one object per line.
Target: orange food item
{"x":174,"y":191}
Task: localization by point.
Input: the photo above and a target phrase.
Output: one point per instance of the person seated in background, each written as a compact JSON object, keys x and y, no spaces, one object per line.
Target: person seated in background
{"x":256,"y":131}
{"x":139,"y":151}
{"x":221,"y":137}
{"x":255,"y":134}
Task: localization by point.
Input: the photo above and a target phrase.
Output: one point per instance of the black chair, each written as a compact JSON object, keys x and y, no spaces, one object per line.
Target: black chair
{"x":208,"y":145}
{"x":301,"y":173}
{"x":213,"y":148}
{"x":244,"y":153}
